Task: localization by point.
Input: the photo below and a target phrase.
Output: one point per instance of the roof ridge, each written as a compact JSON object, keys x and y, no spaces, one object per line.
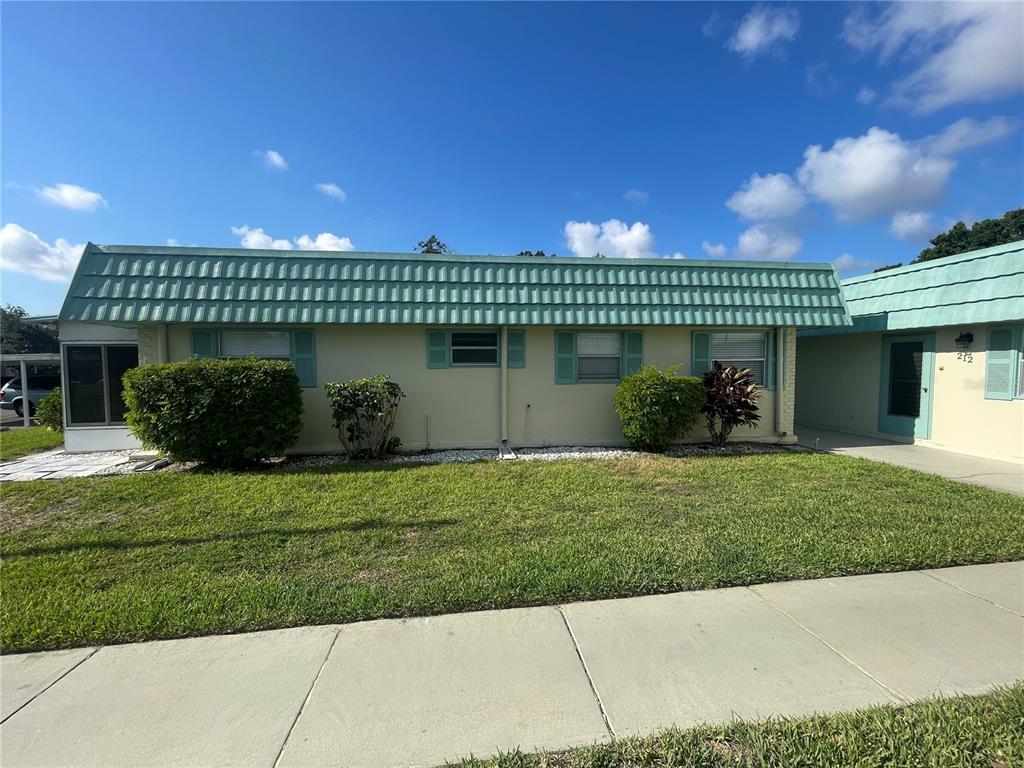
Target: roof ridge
{"x":180,"y":250}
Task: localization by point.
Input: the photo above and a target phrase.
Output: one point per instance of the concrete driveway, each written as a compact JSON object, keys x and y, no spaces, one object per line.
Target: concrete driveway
{"x":418,"y":692}
{"x":990,"y":473}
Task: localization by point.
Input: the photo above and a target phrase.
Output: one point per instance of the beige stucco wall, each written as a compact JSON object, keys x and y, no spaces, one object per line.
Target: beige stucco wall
{"x":839,"y":377}
{"x":962,"y":419}
{"x":459,"y":407}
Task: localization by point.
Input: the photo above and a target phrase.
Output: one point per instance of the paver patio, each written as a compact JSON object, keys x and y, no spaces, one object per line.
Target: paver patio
{"x":420,"y":691}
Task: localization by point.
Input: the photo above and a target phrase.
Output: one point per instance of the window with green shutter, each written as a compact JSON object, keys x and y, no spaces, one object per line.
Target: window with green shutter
{"x":1003,"y":363}
{"x":740,"y":349}
{"x":597,"y":356}
{"x":297,"y":345}
{"x":516,"y":352}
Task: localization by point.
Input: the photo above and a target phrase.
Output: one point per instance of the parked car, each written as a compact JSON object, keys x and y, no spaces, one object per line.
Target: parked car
{"x":40,"y":386}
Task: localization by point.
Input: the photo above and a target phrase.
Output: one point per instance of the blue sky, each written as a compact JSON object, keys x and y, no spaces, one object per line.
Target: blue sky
{"x":811,"y":132}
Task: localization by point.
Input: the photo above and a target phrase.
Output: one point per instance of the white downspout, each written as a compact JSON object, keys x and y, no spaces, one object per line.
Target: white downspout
{"x":780,"y":367}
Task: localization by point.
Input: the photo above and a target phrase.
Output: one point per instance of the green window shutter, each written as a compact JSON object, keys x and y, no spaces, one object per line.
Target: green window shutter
{"x":700,"y":362}
{"x":516,"y":349}
{"x":565,"y":357}
{"x":1001,"y":363}
{"x":205,"y":343}
{"x":632,"y":351}
{"x":437,"y":349}
{"x":303,"y":356}
{"x":769,"y":359}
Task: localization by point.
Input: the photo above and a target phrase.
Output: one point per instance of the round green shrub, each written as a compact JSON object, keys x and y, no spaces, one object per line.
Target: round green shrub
{"x":224,"y":413}
{"x":49,"y":412}
{"x":657,"y":407}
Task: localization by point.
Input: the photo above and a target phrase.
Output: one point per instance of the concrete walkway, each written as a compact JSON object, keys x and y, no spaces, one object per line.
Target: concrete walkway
{"x":990,"y":473}
{"x":422,"y":691}
{"x":56,"y":463}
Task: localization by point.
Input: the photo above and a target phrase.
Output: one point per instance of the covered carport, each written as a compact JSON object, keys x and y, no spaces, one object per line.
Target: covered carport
{"x":23,"y":361}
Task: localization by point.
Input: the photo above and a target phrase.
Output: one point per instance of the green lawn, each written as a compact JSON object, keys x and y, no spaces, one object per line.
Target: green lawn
{"x":20,"y":441}
{"x":104,"y":560}
{"x":969,"y":732}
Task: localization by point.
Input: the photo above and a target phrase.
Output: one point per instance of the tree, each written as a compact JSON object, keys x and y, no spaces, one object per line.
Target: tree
{"x":18,"y":337}
{"x":432,"y":244}
{"x":984,"y":234}
{"x":534,"y":254}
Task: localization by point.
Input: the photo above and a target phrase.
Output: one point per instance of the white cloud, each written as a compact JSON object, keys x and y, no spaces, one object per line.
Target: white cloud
{"x":635,"y":196}
{"x":966,"y":52}
{"x":764,"y":29}
{"x":967,"y":133}
{"x":611,"y":238}
{"x":332,"y":190}
{"x":172,"y":241}
{"x":271,"y":159}
{"x":820,"y":79}
{"x":715,"y":250}
{"x":676,"y":255}
{"x":879,"y":173}
{"x":255,"y":237}
{"x":773,"y":196}
{"x":912,"y":225}
{"x":770,"y":242}
{"x":846,"y":263}
{"x":72,"y":196}
{"x":873,"y":174}
{"x":866,"y":95}
{"x":24,"y":251}
{"x":325,"y":241}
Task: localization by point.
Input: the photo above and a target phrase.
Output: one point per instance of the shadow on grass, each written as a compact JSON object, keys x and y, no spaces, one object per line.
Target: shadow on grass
{"x":354,"y":527}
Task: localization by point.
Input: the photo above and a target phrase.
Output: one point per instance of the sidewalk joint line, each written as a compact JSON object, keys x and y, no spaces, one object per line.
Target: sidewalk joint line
{"x":972,"y":594}
{"x":67,"y":672}
{"x":590,"y":680}
{"x":899,"y":696}
{"x":305,"y":700}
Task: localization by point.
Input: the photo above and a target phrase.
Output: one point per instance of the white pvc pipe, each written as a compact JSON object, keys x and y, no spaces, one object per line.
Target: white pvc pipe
{"x":504,"y":385}
{"x":780,"y":367}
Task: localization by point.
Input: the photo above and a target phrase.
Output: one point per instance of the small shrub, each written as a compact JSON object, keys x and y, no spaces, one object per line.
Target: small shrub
{"x":364,"y":413}
{"x":224,"y":413}
{"x":657,"y":407}
{"x":49,"y":412}
{"x":730,"y":401}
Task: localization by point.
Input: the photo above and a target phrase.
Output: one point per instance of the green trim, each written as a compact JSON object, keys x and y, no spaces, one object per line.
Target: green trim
{"x":632,"y":350}
{"x":515,"y":352}
{"x":921,"y":427}
{"x":700,"y":353}
{"x":1003,"y":352}
{"x":205,"y":342}
{"x":438,"y":348}
{"x":565,"y":357}
{"x":303,"y":354}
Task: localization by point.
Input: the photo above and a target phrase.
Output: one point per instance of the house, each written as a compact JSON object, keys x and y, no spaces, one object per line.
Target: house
{"x":934,"y":356}
{"x":489,"y":350}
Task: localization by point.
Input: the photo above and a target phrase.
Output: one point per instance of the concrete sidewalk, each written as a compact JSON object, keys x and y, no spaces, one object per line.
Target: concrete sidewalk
{"x":422,"y":691}
{"x":990,"y":473}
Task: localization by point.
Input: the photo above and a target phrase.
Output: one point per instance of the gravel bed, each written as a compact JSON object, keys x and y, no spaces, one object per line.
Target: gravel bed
{"x":575,"y":452}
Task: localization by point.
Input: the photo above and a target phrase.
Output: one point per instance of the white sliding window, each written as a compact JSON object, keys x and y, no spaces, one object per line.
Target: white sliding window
{"x":741,"y":350}
{"x":255,"y":343}
{"x":598,"y":356}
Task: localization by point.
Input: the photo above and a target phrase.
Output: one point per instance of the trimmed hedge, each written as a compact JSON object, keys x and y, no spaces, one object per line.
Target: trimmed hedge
{"x":225,"y":413}
{"x":657,"y":407}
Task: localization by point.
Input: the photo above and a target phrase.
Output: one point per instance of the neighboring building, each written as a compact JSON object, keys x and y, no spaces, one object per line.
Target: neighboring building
{"x":487,"y":349}
{"x":934,"y":356}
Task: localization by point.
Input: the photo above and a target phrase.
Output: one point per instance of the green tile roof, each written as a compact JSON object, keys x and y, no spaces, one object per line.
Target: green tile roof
{"x":135,"y":284}
{"x":984,"y":286}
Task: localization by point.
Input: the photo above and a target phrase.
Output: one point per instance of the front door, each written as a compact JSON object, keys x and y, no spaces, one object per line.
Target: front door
{"x":905,"y":402}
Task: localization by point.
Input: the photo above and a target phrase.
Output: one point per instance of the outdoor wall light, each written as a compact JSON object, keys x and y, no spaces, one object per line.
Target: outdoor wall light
{"x":964,"y":340}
